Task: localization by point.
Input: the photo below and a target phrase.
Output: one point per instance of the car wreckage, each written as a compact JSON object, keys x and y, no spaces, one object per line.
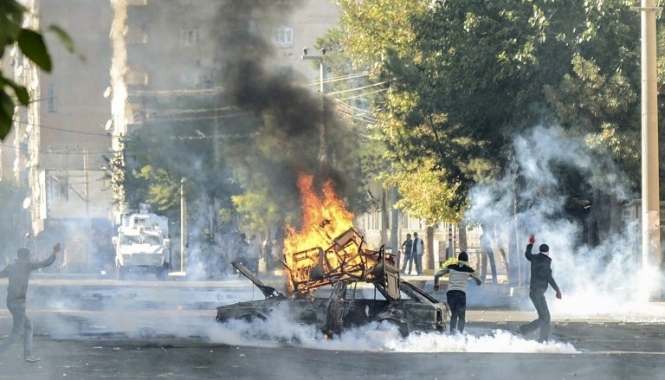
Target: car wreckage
{"x":329,"y":288}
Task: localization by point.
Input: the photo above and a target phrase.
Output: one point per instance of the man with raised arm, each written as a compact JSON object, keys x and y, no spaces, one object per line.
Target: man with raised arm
{"x":18,"y":275}
{"x":541,"y":277}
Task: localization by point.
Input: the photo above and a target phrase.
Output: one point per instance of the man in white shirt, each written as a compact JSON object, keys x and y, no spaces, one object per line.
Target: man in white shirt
{"x":418,"y":251}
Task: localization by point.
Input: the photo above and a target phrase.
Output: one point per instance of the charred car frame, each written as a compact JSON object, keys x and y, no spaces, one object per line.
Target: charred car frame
{"x":345,"y":286}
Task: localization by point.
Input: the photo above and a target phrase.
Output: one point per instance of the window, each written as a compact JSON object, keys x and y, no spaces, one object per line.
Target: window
{"x":283,"y":35}
{"x":52,"y":100}
{"x":59,"y":187}
{"x":190,"y":37}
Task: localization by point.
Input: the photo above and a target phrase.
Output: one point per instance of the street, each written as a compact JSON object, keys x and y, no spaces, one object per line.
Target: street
{"x":99,"y":328}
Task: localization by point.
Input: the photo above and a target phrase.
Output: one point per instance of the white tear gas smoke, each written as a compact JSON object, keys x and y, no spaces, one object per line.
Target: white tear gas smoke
{"x":605,"y":279}
{"x":158,"y":313}
{"x":278,"y":329}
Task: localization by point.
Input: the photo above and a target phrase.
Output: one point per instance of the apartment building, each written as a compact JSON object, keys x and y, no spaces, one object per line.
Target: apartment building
{"x":56,"y":144}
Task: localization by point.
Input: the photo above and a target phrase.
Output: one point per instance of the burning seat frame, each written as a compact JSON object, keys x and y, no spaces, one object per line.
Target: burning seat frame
{"x":346,"y":260}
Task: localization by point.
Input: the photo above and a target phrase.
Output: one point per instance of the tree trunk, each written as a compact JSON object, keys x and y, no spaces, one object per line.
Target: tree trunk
{"x":463,"y":246}
{"x":514,"y":272}
{"x":385,"y":218}
{"x":429,"y":254}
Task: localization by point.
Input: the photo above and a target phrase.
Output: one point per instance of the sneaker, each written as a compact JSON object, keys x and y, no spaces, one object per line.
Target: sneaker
{"x":32,"y":359}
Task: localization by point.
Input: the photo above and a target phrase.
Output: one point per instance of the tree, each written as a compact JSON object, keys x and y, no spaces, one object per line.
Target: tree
{"x":466,"y":77}
{"x":181,"y":140}
{"x":379,"y":33}
{"x":469,"y":80}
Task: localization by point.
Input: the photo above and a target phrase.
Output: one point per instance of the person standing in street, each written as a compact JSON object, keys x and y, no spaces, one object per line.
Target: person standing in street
{"x":460,"y":272}
{"x":541,"y":277}
{"x":418,"y":251}
{"x":18,"y":275}
{"x":407,"y":248}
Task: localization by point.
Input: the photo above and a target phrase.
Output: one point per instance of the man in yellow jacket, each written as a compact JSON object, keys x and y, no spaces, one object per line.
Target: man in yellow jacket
{"x":460,"y":272}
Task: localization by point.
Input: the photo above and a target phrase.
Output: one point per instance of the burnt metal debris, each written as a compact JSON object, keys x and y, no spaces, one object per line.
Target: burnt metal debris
{"x":328,"y":292}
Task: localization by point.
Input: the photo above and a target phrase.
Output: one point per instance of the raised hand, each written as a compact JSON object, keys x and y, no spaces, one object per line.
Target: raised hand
{"x":532,"y":239}
{"x":56,"y":248}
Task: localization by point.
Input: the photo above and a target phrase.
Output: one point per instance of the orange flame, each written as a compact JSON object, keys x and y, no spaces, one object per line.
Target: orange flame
{"x":324,"y":218}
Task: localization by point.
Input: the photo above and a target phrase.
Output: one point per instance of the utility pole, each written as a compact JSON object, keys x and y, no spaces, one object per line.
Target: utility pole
{"x":394,"y":221}
{"x":322,"y":131}
{"x":86,"y":190}
{"x":183,"y":225}
{"x":651,"y":255}
{"x":86,"y":195}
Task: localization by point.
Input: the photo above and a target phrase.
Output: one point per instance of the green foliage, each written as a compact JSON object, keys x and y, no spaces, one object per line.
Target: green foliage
{"x":422,"y":194}
{"x":467,"y":76}
{"x":171,"y":147}
{"x":33,"y":46}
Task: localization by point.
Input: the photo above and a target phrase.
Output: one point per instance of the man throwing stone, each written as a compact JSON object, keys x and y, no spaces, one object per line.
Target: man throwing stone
{"x":541,"y":277}
{"x":18,"y":275}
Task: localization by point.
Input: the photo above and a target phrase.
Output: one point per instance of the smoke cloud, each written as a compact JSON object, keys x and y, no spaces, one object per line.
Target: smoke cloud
{"x":295,"y":130}
{"x":605,"y":279}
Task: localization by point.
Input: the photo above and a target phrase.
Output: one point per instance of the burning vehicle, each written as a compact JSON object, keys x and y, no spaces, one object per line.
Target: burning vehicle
{"x":329,"y":287}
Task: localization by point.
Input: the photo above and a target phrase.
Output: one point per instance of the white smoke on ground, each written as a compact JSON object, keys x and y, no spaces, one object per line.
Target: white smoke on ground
{"x":278,"y":329}
{"x":131,"y":317}
{"x":603,"y":280}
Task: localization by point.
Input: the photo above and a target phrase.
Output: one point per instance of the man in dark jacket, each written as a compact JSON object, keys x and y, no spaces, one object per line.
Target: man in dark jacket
{"x":541,"y":277}
{"x":407,"y":248}
{"x":18,"y":275}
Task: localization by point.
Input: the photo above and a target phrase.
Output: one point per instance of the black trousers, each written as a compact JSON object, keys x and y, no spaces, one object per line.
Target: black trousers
{"x":457,"y":305}
{"x":543,"y":321}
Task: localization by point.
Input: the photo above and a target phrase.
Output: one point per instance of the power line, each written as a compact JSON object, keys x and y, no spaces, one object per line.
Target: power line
{"x":191,"y":110}
{"x":362,"y":95}
{"x":63,"y":130}
{"x":356,"y":89}
{"x":177,"y":92}
{"x":340,"y":78}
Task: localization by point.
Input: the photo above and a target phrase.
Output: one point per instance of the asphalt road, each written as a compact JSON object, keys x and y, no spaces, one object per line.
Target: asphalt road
{"x":102,"y":329}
